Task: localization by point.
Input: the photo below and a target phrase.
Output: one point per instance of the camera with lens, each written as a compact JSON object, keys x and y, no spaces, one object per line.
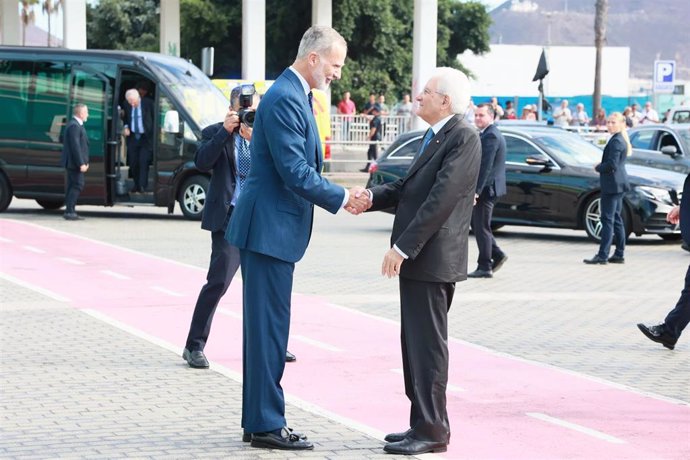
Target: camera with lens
{"x":246,"y":113}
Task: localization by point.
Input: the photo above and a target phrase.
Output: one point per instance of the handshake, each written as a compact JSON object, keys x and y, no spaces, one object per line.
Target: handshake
{"x":359,"y":201}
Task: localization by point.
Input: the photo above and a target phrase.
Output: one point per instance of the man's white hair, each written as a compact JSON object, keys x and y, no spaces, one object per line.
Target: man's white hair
{"x":132,"y":93}
{"x":454,"y":84}
{"x":319,"y":39}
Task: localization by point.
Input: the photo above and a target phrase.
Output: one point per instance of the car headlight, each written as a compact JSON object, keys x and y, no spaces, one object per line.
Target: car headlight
{"x":655,"y":193}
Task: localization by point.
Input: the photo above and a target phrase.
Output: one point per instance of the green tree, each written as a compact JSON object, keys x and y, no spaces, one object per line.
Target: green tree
{"x":462,"y":27}
{"x":123,"y":25}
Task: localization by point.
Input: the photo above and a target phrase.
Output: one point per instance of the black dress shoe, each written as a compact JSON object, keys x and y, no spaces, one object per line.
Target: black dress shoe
{"x":247,"y":437}
{"x":658,"y":334}
{"x":480,"y":274}
{"x":286,"y":440}
{"x":72,"y":216}
{"x":616,"y":260}
{"x":410,"y":446}
{"x":596,"y":260}
{"x":397,"y":437}
{"x":196,"y":359}
{"x":289,"y":357}
{"x":498,"y":262}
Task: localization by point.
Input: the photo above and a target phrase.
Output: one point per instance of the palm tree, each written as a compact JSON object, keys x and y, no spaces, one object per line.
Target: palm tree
{"x":49,"y":7}
{"x":28,"y":16}
{"x":600,"y":15}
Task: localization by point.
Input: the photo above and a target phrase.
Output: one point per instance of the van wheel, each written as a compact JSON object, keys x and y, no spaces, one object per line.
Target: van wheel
{"x":50,"y":204}
{"x":193,"y":196}
{"x":5,"y":192}
{"x":591,"y":219}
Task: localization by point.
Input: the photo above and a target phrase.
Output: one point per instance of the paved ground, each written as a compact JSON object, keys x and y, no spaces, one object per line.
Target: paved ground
{"x":73,"y":385}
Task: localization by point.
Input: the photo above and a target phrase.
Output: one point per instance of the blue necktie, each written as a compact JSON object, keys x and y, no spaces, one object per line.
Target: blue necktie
{"x":244,"y":160}
{"x":135,"y":120}
{"x":427,"y":138}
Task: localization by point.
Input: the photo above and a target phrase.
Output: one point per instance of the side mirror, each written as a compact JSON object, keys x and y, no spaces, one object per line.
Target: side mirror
{"x":171,"y":122}
{"x":669,"y":150}
{"x":538,"y":161}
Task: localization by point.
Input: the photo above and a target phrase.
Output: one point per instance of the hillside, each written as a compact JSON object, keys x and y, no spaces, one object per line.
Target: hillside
{"x":652,"y":29}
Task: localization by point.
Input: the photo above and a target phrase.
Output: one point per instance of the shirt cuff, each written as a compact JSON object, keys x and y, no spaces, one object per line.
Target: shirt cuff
{"x":346,"y":198}
{"x":397,"y":249}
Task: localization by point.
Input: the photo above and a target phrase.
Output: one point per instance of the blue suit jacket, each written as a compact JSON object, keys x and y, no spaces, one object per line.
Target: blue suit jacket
{"x":492,"y":172}
{"x":275,"y":211}
{"x":217,"y":154}
{"x":612,"y":176}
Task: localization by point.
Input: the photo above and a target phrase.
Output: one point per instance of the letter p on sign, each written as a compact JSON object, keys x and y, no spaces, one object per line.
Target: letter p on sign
{"x":664,"y":76}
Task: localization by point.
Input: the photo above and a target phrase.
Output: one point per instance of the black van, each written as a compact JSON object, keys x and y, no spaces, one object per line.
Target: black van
{"x":39,"y":87}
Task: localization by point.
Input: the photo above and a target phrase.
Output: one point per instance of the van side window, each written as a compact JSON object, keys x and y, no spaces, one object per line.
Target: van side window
{"x":50,"y":92}
{"x":15,"y":83}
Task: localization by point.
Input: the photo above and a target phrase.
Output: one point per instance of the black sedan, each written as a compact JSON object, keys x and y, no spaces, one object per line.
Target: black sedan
{"x":552,"y":183}
{"x":661,"y":146}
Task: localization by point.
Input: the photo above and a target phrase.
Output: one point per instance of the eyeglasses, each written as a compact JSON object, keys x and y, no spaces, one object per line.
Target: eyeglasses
{"x":428,"y":92}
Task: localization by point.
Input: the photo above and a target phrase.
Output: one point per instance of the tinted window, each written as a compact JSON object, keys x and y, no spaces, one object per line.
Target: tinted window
{"x":517,"y":150}
{"x":408,"y":149}
{"x":15,"y":81}
{"x":642,"y":139}
{"x":50,"y":93}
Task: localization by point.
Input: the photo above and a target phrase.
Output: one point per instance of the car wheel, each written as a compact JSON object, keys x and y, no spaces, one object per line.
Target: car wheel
{"x":50,"y":204}
{"x":5,"y":192}
{"x":592,"y":219}
{"x":192,"y":196}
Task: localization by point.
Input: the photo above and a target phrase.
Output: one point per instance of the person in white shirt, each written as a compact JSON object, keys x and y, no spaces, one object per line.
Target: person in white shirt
{"x":580,"y":118}
{"x":649,"y":115}
{"x":562,"y":115}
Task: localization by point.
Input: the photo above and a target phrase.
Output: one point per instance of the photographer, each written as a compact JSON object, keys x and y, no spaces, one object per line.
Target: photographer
{"x":224,"y":150}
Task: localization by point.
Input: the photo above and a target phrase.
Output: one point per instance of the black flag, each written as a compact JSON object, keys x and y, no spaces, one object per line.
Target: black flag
{"x":542,"y":68}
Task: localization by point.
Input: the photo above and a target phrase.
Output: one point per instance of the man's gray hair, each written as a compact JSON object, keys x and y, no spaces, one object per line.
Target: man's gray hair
{"x":132,"y":93}
{"x":78,"y":108}
{"x":235,"y":96}
{"x":454,"y":84}
{"x":319,"y":39}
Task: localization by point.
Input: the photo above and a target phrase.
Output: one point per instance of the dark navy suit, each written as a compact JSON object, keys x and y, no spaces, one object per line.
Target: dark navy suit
{"x":678,"y":318}
{"x":271,"y":225}
{"x":614,"y":183}
{"x":491,"y":185}
{"x":215,"y":154}
{"x":75,"y":153}
{"x":140,"y":145}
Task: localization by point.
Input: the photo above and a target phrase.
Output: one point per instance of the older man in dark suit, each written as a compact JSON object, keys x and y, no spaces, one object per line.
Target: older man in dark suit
{"x":668,"y":332}
{"x":75,"y":159}
{"x":434,"y":207}
{"x":138,"y":129}
{"x":491,"y":185}
{"x":224,"y":151}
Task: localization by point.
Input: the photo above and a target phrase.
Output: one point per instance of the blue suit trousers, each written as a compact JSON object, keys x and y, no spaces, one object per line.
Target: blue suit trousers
{"x":612,"y":227}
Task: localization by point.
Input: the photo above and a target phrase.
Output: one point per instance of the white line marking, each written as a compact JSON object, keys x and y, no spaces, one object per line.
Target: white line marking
{"x":576,"y":427}
{"x":316,"y":343}
{"x":225,"y":312}
{"x":5,"y":240}
{"x":167,"y":291}
{"x":40,"y":290}
{"x":71,"y":261}
{"x":117,"y":275}
{"x":34,"y":249}
{"x":449,"y":386}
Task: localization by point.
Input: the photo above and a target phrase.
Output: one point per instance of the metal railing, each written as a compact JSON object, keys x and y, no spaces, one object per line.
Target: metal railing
{"x":354,"y":129}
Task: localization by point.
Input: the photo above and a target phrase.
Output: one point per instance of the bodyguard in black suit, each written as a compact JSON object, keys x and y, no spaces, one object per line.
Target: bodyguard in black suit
{"x":491,"y":185}
{"x":668,"y":332}
{"x":613,"y":181}
{"x":75,"y":159}
{"x":139,"y":132}
{"x":430,"y":236}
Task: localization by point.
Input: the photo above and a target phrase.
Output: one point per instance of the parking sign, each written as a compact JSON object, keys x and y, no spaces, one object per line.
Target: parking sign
{"x":664,"y":76}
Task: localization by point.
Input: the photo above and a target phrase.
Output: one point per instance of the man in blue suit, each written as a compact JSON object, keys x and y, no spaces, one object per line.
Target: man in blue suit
{"x":668,"y":332}
{"x":272,"y":223}
{"x":75,"y":159}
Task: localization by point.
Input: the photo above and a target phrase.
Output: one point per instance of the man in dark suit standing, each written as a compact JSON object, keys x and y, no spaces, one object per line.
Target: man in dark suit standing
{"x":668,"y":332}
{"x":139,"y":133}
{"x":224,"y":147}
{"x":491,"y":185}
{"x":430,"y":236}
{"x":272,"y":223}
{"x":75,"y":159}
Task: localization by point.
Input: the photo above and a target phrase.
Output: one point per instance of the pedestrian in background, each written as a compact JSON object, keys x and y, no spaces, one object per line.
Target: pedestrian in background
{"x":668,"y":332}
{"x":491,"y":185}
{"x":75,"y":159}
{"x":374,"y":137}
{"x":346,"y":107}
{"x":224,"y":151}
{"x":613,"y":181}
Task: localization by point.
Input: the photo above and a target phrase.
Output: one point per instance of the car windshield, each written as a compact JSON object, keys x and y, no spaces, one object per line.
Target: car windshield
{"x":571,"y":149}
{"x":205,"y":103}
{"x":685,"y":138}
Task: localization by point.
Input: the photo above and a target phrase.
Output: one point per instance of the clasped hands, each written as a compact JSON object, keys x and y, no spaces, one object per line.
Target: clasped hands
{"x":359,"y":201}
